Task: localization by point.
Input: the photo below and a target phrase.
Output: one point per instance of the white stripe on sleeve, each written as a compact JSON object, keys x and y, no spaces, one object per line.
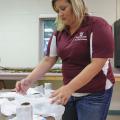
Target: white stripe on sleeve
{"x":91,"y":47}
{"x":53,"y":47}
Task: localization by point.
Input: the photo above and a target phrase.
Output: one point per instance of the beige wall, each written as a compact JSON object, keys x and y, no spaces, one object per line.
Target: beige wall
{"x":19,"y":31}
{"x":118,"y":9}
{"x":103,"y":8}
{"x":19,"y":28}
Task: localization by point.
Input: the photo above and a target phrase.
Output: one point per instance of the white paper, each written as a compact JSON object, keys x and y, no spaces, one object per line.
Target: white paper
{"x":3,"y":100}
{"x":41,"y":104}
{"x":10,"y":95}
{"x":35,"y":117}
{"x":40,"y":107}
{"x":9,"y":108}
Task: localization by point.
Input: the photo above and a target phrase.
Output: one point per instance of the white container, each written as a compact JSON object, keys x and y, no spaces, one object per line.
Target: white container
{"x":0,"y":109}
{"x":24,"y":111}
{"x":47,"y":89}
{"x":48,"y":86}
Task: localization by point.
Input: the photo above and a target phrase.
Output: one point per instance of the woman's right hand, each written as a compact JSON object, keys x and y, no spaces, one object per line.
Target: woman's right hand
{"x":23,"y":85}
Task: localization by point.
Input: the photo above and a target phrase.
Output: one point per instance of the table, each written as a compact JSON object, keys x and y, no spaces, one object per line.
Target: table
{"x":2,"y":117}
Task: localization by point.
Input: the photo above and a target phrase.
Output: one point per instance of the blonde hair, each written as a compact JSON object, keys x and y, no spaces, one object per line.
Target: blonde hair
{"x":79,"y":9}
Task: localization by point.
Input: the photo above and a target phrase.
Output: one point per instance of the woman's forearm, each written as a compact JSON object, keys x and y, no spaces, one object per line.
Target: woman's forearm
{"x":41,"y":68}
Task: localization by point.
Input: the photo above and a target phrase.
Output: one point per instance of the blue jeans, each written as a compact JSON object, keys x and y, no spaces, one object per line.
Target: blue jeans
{"x":94,"y":106}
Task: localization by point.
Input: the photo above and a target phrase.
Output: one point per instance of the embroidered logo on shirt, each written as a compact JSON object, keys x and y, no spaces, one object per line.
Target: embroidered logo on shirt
{"x":79,"y":37}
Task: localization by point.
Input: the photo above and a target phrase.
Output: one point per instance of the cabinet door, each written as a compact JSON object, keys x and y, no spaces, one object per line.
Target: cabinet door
{"x":117,"y":43}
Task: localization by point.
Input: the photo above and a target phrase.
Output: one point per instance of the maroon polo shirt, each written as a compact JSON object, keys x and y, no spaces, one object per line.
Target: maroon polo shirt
{"x":94,"y":35}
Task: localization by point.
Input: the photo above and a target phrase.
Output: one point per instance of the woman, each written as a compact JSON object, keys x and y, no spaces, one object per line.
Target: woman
{"x":85,"y":44}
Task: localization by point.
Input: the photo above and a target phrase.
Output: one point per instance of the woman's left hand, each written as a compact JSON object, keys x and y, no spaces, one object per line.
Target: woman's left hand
{"x":61,"y":95}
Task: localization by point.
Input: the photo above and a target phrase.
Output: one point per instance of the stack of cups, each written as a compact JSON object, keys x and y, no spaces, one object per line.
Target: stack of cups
{"x":24,"y":111}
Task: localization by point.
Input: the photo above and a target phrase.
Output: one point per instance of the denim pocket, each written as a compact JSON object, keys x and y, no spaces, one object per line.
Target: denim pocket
{"x":95,"y":98}
{"x":99,"y":98}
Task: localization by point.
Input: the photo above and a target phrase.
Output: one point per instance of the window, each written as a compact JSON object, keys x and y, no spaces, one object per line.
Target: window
{"x":48,"y":30}
{"x":47,"y":26}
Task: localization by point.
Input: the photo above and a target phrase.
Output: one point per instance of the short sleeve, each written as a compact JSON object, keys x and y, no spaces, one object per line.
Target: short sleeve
{"x":103,"y":40}
{"x":52,"y":47}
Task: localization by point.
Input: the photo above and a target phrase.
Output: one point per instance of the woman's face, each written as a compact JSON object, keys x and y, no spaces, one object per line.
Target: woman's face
{"x":65,"y":12}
